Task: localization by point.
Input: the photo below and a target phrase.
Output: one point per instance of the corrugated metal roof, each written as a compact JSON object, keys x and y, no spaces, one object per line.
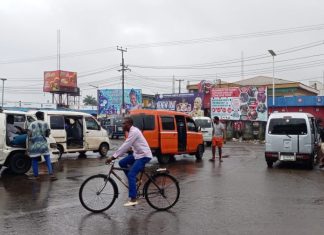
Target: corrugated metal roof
{"x":261,"y":80}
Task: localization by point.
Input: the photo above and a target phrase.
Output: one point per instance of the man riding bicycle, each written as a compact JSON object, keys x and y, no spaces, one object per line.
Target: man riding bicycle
{"x":135,"y":162}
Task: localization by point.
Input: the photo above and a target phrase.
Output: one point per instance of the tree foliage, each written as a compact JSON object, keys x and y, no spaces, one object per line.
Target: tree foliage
{"x":90,"y":100}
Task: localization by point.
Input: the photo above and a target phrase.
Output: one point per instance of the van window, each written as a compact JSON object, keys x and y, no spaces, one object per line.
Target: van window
{"x":19,"y":118}
{"x":144,"y":122}
{"x":191,"y":126}
{"x":312,"y":125}
{"x":91,"y":124}
{"x":168,"y":123}
{"x":203,"y":123}
{"x":291,"y":126}
{"x":57,"y":122}
{"x":149,"y":122}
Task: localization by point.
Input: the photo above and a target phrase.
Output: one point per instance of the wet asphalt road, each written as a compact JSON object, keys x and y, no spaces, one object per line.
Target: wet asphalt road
{"x":238,"y":196}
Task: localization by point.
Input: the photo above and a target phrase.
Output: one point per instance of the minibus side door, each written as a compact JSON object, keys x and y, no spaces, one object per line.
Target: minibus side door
{"x":168,"y":135}
{"x":92,"y":134}
{"x":57,"y":129}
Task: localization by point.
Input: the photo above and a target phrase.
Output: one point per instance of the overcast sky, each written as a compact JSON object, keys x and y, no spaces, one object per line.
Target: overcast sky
{"x":190,"y":40}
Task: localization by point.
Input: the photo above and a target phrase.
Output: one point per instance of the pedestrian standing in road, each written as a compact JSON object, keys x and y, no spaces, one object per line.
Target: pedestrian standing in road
{"x":37,"y":144}
{"x":219,"y":138}
{"x":135,"y":161}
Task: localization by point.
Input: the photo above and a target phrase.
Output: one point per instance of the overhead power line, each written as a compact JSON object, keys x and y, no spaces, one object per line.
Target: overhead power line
{"x":170,"y":43}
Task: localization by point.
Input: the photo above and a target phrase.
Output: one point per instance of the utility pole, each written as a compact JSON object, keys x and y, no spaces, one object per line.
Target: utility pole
{"x":179,"y":80}
{"x":242,"y":65}
{"x":173,"y":85}
{"x":3,"y":80}
{"x":123,"y":69}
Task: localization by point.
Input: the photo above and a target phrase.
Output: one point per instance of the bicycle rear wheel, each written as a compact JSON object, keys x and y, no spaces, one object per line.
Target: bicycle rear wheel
{"x":162,"y":191}
{"x":98,"y":193}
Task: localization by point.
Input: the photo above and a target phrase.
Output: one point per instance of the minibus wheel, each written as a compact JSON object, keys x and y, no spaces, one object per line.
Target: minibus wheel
{"x":19,"y":163}
{"x":103,"y":149}
{"x":200,"y":152}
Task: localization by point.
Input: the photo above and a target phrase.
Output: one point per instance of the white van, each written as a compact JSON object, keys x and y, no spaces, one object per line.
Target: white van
{"x":291,"y":137}
{"x":76,"y":132}
{"x":206,"y":125}
{"x":14,"y":156}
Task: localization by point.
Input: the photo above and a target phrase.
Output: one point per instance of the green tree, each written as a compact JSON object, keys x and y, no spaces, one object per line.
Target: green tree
{"x":90,"y":100}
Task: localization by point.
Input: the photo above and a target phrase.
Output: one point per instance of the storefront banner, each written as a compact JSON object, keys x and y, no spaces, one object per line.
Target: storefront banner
{"x":240,"y":103}
{"x":110,"y":101}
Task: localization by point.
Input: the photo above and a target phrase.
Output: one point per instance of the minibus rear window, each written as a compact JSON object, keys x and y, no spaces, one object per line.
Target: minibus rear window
{"x":289,"y":126}
{"x":144,"y":122}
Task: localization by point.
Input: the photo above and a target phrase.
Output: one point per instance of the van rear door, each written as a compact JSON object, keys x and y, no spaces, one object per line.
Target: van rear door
{"x":288,"y":135}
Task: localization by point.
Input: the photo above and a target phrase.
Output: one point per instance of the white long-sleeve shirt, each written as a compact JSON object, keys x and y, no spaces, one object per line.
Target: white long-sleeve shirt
{"x":138,"y":143}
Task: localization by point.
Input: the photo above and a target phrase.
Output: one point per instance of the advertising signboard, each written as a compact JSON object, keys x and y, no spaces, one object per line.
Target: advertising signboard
{"x":240,"y":103}
{"x":110,"y":101}
{"x":56,"y":81}
{"x":190,"y":103}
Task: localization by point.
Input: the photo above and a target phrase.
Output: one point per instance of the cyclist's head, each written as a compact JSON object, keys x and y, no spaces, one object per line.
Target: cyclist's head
{"x":127,"y":123}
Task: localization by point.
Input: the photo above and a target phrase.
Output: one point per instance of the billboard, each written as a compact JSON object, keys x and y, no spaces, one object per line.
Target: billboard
{"x":190,"y":103}
{"x":110,"y":101}
{"x":240,"y":103}
{"x":60,"y":81}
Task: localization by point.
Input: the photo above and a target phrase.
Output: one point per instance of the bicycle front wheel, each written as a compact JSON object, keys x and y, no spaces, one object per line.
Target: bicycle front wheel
{"x":98,"y":193}
{"x":162,"y":191}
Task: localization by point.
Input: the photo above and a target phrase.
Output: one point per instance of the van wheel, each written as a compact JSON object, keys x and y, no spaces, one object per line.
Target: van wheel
{"x":103,"y":149}
{"x":269,"y":163}
{"x":310,"y":163}
{"x":200,"y":152}
{"x":163,"y":158}
{"x":19,"y":163}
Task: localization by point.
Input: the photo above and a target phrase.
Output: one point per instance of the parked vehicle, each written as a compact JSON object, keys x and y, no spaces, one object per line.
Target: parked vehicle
{"x":291,"y":137}
{"x":206,"y":126}
{"x":114,"y":126}
{"x":169,"y":133}
{"x":77,"y":132}
{"x":15,"y":156}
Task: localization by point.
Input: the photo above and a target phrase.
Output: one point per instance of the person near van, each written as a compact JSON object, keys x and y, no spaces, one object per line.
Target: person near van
{"x":37,"y":145}
{"x":135,"y":161}
{"x":219,"y":138}
{"x":15,"y":135}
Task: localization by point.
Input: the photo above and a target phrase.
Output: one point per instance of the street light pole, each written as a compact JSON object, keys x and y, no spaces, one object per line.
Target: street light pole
{"x":3,"y":80}
{"x":273,"y":54}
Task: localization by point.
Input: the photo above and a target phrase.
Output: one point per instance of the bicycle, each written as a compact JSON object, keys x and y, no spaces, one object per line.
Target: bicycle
{"x":99,"y":192}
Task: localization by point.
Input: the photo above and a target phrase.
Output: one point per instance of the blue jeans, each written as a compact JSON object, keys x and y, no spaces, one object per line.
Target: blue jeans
{"x":135,"y":166}
{"x":48,"y":164}
{"x":19,"y":140}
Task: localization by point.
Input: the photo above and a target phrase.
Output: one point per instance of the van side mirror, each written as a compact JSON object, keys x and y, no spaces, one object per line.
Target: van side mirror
{"x":199,"y":128}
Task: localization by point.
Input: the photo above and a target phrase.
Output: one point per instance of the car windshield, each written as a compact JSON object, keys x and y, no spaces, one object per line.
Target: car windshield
{"x":288,"y":126}
{"x":203,"y":123}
